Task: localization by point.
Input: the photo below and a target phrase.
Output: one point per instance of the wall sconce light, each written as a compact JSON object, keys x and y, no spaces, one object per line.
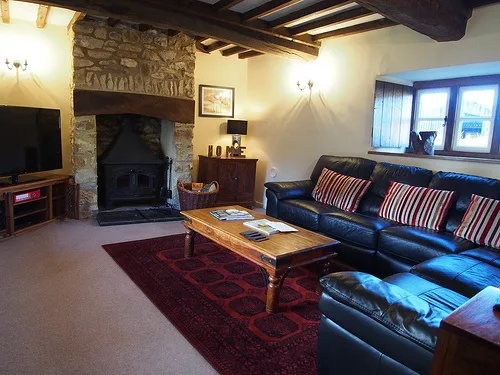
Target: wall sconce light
{"x":16,"y":64}
{"x":309,"y":84}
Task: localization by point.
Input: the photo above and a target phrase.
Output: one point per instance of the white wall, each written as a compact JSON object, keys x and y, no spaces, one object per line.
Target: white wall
{"x":46,"y":82}
{"x":214,"y":69}
{"x":292,"y":129}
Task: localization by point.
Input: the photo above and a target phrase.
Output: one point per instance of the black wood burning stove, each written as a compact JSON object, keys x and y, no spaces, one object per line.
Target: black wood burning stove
{"x":128,"y":172}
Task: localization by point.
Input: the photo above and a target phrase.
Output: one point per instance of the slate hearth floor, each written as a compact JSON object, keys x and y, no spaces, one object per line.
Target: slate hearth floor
{"x":137,"y":216}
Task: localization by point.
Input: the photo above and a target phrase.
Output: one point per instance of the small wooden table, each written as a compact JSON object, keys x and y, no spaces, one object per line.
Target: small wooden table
{"x":278,"y":255}
{"x":469,"y":338}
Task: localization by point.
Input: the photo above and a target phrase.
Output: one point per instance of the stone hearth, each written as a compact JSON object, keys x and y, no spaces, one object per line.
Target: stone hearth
{"x":119,"y":70}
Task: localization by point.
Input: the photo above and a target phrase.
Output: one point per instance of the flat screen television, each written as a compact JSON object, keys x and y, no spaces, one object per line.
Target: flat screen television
{"x":30,"y":140}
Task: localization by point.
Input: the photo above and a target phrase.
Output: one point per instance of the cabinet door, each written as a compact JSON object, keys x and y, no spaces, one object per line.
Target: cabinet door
{"x":228,"y":181}
{"x":246,"y":181}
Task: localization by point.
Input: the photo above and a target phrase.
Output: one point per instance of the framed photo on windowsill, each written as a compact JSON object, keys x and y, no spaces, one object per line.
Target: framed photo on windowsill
{"x":216,"y":101}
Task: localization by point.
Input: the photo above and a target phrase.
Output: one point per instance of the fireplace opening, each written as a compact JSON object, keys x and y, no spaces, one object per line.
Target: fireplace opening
{"x":130,"y":161}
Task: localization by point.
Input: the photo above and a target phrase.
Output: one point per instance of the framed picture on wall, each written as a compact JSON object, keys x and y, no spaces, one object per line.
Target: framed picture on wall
{"x":216,"y":101}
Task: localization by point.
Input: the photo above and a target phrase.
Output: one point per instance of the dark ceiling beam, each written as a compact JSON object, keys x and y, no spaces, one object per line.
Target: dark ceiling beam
{"x":312,"y":10}
{"x":356,"y":29}
{"x":164,"y":15}
{"x":248,"y":54}
{"x":442,"y":20}
{"x":215,"y":46}
{"x":233,"y":51}
{"x":204,"y":10}
{"x":199,"y":45}
{"x":76,"y":17}
{"x":334,"y":19}
{"x":112,"y":22}
{"x":41,"y":17}
{"x":5,"y":10}
{"x":225,"y":4}
{"x":266,"y":8}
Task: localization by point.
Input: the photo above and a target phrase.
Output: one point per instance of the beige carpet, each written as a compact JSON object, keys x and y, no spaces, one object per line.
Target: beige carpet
{"x":67,"y":308}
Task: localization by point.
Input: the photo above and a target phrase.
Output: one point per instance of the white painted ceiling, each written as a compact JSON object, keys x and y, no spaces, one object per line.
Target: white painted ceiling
{"x":460,"y":71}
{"x":28,"y":12}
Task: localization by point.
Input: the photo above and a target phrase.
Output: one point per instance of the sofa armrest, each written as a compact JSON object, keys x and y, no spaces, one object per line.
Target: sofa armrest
{"x":387,"y":304}
{"x":291,"y":189}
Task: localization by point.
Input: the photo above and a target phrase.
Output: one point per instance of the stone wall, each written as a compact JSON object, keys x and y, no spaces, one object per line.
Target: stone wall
{"x":122,"y":59}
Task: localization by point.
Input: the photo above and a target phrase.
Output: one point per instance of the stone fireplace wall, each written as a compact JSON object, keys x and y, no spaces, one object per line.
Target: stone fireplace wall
{"x":123,"y":60}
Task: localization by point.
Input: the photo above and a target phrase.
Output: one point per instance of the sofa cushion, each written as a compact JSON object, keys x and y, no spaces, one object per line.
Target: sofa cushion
{"x":488,"y":255}
{"x":434,"y":294}
{"x":416,"y":206}
{"x":389,"y":305}
{"x":383,"y":174}
{"x":303,"y":212}
{"x":463,"y":274}
{"x":353,"y":227}
{"x":415,"y":245}
{"x":338,"y":190}
{"x":465,"y":185}
{"x":481,"y":222}
{"x":350,"y":166}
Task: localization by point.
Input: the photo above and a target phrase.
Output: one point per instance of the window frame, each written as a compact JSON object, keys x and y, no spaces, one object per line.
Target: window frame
{"x":452,"y":122}
{"x":416,"y":111}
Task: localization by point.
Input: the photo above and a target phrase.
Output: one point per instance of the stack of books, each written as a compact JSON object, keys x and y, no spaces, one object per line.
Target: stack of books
{"x":231,"y":214}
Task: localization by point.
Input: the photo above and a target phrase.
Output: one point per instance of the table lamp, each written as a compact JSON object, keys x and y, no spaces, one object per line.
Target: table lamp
{"x":237,"y":128}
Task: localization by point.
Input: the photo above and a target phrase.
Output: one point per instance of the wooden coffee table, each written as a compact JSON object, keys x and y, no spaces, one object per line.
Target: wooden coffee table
{"x":278,"y":255}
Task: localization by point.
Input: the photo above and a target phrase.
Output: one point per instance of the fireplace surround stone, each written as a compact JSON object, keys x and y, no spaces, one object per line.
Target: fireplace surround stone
{"x":120,"y":70}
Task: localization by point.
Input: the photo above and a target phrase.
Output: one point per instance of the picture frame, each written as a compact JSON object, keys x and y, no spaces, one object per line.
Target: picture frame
{"x":215,"y":101}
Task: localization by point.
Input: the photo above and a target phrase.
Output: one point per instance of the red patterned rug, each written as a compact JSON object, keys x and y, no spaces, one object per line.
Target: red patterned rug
{"x":217,"y":301}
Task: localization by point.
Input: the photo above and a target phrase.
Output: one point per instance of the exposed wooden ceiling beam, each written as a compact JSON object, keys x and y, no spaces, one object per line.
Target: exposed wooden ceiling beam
{"x":5,"y":9}
{"x":225,"y":4}
{"x":233,"y":51}
{"x":41,"y":18}
{"x":200,"y":46}
{"x":334,"y":19}
{"x":76,"y":17}
{"x":266,"y":8}
{"x":171,"y":32}
{"x":204,"y":10}
{"x":442,"y":20}
{"x":166,"y":15}
{"x":248,"y":54}
{"x":356,"y":29}
{"x":112,"y":22}
{"x":312,"y":10}
{"x":216,"y":45}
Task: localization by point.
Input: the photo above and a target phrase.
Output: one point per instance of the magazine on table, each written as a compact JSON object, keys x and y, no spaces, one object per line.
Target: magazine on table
{"x":231,"y":214}
{"x":269,"y":227}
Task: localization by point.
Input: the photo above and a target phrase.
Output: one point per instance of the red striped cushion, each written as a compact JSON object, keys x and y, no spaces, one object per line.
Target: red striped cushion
{"x":340,"y":191}
{"x":416,"y":206}
{"x":481,"y":222}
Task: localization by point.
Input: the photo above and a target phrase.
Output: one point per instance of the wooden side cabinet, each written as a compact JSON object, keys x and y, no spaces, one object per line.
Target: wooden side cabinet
{"x":236,"y":178}
{"x":469,"y":338}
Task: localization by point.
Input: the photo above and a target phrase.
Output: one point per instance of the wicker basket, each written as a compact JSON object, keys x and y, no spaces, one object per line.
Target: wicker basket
{"x":192,"y":200}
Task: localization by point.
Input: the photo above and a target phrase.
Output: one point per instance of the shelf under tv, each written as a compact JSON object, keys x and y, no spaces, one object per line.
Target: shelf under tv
{"x":58,"y":196}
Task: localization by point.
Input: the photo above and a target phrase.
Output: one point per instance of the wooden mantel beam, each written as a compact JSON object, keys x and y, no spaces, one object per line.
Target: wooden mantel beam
{"x":164,"y":15}
{"x":442,"y":20}
{"x":41,"y":18}
{"x":5,"y":9}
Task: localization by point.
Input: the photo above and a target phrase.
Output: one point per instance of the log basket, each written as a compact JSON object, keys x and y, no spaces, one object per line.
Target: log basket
{"x":193,"y":200}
